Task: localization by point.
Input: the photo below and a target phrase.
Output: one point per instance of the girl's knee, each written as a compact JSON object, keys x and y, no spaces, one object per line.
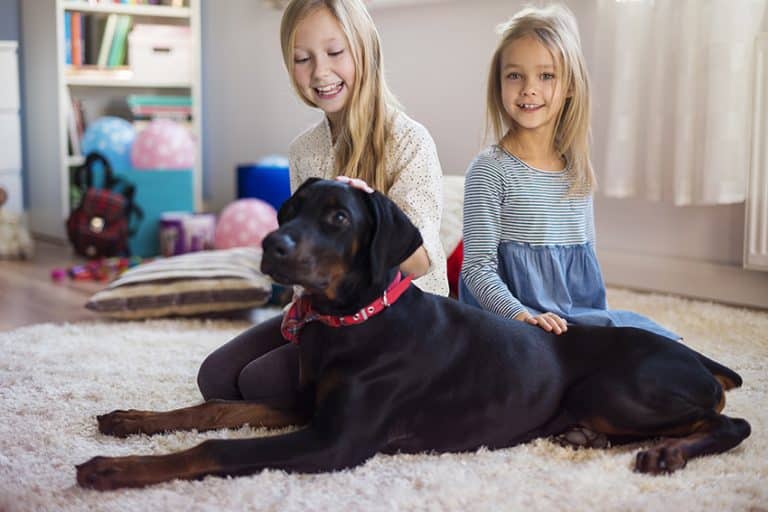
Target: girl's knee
{"x":214,"y":382}
{"x":272,"y":378}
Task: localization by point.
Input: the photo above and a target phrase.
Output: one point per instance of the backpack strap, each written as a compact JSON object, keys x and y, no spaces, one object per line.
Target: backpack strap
{"x":131,"y":208}
{"x":83,"y":178}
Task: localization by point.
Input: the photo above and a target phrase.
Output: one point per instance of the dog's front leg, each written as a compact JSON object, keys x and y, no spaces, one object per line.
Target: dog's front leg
{"x":301,"y":451}
{"x":210,"y":415}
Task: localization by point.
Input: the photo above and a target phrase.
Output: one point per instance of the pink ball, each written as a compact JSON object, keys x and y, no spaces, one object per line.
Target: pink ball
{"x":163,"y":144}
{"x":244,"y":223}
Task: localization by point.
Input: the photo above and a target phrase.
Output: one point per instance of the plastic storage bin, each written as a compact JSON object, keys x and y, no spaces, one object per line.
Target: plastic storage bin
{"x":268,"y":180}
{"x":161,"y":53}
{"x":157,"y":192}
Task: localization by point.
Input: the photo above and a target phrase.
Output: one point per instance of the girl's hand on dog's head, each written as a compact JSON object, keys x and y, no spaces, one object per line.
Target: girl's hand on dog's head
{"x":355,"y":183}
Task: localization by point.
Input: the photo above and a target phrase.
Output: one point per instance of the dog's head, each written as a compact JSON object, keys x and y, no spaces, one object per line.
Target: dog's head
{"x":338,"y":241}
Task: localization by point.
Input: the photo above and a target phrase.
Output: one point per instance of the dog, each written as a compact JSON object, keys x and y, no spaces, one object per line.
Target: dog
{"x":385,"y":367}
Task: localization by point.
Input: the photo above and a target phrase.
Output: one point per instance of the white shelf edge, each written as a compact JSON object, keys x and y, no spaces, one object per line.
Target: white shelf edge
{"x":122,"y":77}
{"x":116,"y":82}
{"x":135,"y":10}
{"x":116,"y":77}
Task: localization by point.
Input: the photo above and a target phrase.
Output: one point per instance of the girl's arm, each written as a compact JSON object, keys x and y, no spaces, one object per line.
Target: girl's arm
{"x":418,"y":190}
{"x":483,"y":203}
{"x":417,"y":263}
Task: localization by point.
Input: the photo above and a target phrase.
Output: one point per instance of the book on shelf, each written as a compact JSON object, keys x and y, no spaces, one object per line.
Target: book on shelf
{"x":75,"y":124}
{"x":106,"y":40}
{"x":118,"y":49}
{"x":68,"y":37}
{"x":152,"y":100}
{"x":76,"y":32}
{"x":93,"y":29}
{"x":148,"y":106}
{"x":175,"y":114}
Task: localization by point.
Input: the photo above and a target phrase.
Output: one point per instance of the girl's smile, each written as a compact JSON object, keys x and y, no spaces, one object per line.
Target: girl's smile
{"x":327,"y":92}
{"x":528,"y":107}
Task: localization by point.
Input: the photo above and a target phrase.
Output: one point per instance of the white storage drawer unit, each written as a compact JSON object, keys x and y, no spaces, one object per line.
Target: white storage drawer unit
{"x":10,"y":126}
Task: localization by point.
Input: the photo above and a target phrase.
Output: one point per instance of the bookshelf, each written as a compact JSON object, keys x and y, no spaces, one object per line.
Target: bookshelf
{"x":50,"y":82}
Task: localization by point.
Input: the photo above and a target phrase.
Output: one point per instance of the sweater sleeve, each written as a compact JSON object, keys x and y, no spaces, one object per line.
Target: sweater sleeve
{"x":483,"y":203}
{"x":417,"y":189}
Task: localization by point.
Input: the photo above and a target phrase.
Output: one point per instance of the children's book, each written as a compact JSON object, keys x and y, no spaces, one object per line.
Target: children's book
{"x":106,"y":40}
{"x":67,"y":38}
{"x":76,"y":34}
{"x":119,"y":42}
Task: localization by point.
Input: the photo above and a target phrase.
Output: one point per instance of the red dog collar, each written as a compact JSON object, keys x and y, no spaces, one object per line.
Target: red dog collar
{"x":301,"y":313}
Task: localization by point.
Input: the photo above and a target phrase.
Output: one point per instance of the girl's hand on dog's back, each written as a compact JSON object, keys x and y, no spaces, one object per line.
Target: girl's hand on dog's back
{"x":550,"y":322}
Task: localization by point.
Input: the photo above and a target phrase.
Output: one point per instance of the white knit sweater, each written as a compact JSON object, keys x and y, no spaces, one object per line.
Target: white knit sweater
{"x":417,"y":186}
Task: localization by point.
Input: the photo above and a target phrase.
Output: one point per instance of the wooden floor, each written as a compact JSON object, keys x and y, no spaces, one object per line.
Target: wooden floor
{"x":28,"y":295}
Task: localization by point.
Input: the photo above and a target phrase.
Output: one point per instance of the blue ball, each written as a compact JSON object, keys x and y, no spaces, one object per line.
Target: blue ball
{"x":112,"y":137}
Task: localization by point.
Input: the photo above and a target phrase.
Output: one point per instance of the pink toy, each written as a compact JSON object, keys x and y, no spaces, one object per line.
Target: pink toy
{"x":244,"y":223}
{"x":163,"y":144}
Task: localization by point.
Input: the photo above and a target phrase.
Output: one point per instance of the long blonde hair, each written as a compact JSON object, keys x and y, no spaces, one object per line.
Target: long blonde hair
{"x":366,"y":124}
{"x":554,"y":27}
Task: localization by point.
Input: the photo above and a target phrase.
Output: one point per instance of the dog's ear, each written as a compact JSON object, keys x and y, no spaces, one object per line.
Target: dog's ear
{"x":290,"y":206}
{"x":394,"y":236}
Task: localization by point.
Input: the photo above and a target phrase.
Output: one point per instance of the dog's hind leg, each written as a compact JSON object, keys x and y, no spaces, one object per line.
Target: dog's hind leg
{"x":715,"y":435}
{"x":210,"y":415}
{"x":666,"y":395}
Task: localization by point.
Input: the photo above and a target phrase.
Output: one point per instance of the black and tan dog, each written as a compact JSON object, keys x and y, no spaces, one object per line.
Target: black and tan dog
{"x":388,"y":368}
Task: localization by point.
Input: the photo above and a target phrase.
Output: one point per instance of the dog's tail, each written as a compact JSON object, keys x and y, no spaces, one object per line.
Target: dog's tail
{"x":727,"y":378}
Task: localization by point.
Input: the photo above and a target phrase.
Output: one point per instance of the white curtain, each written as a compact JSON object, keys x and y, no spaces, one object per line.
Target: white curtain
{"x":672,"y":91}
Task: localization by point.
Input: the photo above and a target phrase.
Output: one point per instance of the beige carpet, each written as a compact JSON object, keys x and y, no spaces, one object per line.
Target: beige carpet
{"x":55,"y":379}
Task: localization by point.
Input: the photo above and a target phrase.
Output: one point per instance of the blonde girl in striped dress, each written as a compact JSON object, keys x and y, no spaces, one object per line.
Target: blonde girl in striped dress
{"x":528,"y":219}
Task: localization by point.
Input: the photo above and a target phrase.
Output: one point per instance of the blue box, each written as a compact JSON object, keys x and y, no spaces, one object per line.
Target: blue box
{"x":268,"y":180}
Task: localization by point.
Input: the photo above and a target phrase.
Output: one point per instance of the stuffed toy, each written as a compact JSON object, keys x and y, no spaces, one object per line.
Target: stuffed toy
{"x":15,"y":242}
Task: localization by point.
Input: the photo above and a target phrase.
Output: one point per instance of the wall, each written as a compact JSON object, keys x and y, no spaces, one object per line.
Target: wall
{"x":252,"y":111}
{"x":9,"y":20}
{"x":436,"y":57}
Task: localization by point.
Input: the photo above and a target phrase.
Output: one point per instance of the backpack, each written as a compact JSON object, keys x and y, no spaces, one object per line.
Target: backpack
{"x":100,"y":225}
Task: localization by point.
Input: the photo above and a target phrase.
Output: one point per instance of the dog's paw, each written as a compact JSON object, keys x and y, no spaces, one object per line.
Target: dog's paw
{"x":580,"y":437}
{"x":108,"y":473}
{"x":124,"y":423}
{"x":660,"y":459}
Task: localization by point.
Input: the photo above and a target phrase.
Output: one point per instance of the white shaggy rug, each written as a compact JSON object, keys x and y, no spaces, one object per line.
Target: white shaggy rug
{"x":55,"y":378}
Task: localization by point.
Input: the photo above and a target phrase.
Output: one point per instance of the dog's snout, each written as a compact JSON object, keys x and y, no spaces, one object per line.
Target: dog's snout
{"x":279,"y":245}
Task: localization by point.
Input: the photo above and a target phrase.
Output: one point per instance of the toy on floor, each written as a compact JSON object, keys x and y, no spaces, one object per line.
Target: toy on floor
{"x":104,"y":269}
{"x":244,"y":223}
{"x":15,"y":242}
{"x":182,"y":232}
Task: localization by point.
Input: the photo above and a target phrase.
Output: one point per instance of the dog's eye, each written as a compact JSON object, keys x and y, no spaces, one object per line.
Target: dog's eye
{"x":338,"y":218}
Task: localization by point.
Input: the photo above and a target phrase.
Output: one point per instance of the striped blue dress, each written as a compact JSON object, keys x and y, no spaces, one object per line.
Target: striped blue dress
{"x":528,"y":245}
